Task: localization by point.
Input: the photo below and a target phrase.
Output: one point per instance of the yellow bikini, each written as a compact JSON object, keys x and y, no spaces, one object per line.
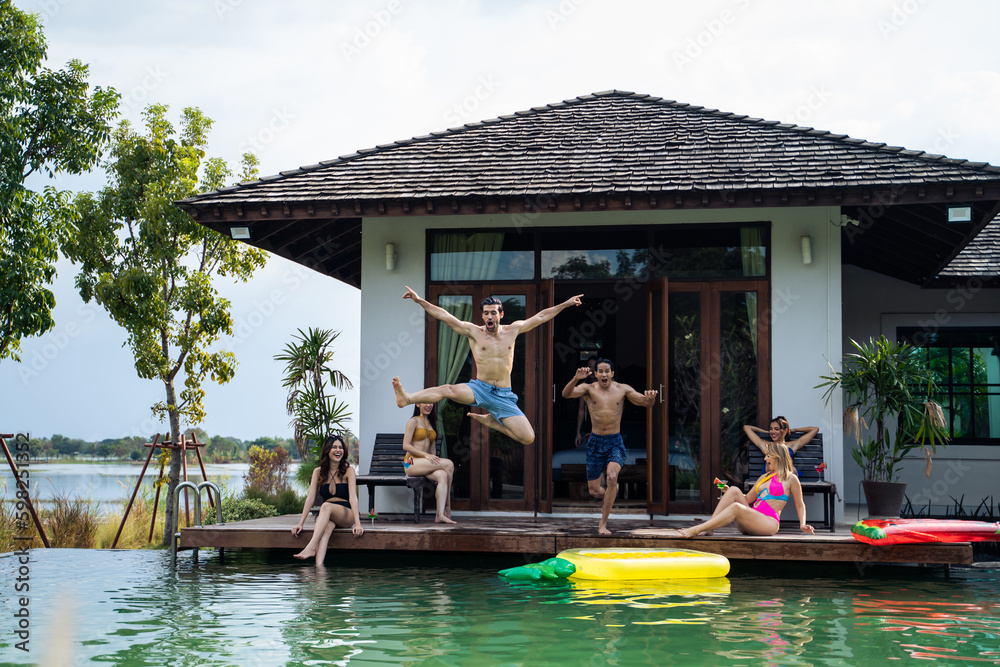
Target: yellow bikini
{"x":420,"y":434}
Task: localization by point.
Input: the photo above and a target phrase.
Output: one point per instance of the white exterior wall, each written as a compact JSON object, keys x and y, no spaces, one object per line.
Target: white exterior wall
{"x":805,"y":300}
{"x":875,"y":304}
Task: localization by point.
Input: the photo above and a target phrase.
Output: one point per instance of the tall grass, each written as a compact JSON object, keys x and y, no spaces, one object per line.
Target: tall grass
{"x":79,"y":523}
{"x":135,"y":532}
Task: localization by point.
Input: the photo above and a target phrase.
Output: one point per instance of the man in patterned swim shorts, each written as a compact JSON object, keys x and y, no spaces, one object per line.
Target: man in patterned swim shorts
{"x":605,"y":447}
{"x":492,"y":346}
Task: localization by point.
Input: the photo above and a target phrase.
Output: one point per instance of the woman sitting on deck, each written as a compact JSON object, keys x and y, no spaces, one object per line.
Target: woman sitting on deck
{"x":779,"y":431}
{"x":421,"y":461}
{"x":759,"y":512}
{"x":339,"y":490}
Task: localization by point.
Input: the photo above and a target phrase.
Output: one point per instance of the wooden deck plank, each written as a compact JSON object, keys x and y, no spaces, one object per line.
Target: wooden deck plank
{"x":549,"y":536}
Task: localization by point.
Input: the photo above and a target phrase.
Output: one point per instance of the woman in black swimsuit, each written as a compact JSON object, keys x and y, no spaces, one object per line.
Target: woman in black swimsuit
{"x":336,"y":484}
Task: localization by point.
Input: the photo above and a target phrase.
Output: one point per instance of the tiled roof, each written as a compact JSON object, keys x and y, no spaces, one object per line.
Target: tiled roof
{"x":981,"y":257}
{"x":610,"y":142}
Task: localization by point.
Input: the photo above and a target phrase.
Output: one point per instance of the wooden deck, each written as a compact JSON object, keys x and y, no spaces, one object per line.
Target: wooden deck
{"x":549,"y":536}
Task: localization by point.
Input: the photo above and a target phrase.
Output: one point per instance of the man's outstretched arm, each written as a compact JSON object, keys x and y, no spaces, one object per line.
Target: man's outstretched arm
{"x":543,"y":316}
{"x":575,"y":390}
{"x":645,"y":400}
{"x":439,"y":313}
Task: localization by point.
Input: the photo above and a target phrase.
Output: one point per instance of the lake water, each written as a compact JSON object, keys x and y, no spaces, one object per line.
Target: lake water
{"x":112,"y":484}
{"x":263,"y":608}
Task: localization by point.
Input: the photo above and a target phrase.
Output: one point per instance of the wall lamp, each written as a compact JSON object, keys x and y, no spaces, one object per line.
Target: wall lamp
{"x":807,"y":249}
{"x":959,"y":214}
{"x":240,"y":233}
{"x":390,"y":256}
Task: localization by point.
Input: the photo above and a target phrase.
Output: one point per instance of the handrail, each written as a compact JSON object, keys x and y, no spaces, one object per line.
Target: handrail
{"x":174,"y":534}
{"x":211,"y":486}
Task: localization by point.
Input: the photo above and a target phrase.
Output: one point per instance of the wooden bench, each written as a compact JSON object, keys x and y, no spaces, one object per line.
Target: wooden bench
{"x":386,"y":469}
{"x":806,"y":460}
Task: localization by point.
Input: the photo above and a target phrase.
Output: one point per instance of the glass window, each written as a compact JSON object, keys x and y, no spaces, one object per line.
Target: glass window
{"x":710,"y":251}
{"x":482,"y":256}
{"x":580,"y":255}
{"x":684,"y":339}
{"x":965,"y":363}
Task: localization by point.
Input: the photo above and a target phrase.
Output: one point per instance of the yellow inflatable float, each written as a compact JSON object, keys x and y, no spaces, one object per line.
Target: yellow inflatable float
{"x":632,"y":564}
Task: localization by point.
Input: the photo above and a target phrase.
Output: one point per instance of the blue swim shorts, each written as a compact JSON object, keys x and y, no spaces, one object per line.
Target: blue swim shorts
{"x":501,"y":402}
{"x":602,"y":450}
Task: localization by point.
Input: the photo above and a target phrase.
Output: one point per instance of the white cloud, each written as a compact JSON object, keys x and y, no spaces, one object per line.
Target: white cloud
{"x":276,"y":75}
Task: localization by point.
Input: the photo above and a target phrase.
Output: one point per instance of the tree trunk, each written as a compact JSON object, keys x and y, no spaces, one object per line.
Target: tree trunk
{"x":175,"y":462}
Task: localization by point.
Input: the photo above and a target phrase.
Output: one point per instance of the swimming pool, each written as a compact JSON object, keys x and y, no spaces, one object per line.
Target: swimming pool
{"x":263,"y":608}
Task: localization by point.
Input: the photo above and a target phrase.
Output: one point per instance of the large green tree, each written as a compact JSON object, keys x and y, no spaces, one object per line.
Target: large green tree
{"x":151,"y":266}
{"x":50,"y":123}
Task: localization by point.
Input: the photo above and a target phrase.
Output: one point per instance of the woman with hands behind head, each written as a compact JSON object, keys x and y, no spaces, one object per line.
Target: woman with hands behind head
{"x":336,"y":484}
{"x":780,"y":432}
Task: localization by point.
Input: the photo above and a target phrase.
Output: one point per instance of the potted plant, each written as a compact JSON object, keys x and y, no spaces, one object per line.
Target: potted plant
{"x":889,"y":411}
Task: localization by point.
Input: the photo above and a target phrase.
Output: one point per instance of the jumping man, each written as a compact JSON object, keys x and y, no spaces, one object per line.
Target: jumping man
{"x":492,"y":346}
{"x":605,"y":447}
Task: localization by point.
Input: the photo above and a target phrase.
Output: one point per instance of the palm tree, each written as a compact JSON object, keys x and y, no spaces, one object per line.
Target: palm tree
{"x":315,"y":415}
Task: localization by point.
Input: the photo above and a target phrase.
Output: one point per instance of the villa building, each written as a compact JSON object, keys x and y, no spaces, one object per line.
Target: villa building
{"x":725,"y":261}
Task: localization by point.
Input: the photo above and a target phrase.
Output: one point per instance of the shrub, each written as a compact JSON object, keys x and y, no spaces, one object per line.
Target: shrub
{"x":242,"y":509}
{"x":286,"y":501}
{"x":268,"y":472}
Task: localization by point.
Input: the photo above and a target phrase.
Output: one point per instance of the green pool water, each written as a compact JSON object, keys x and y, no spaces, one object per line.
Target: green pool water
{"x":263,"y":608}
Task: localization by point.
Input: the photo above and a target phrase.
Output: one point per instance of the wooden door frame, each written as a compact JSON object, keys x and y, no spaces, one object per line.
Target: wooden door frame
{"x":658,"y":289}
{"x":709,"y":357}
{"x":546,"y":398}
{"x":479,"y":499}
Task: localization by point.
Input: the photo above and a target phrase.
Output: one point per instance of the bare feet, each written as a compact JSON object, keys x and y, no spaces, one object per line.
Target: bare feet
{"x":304,"y":554}
{"x":402,"y":398}
{"x":603,"y":530}
{"x":686,"y":533}
{"x":482,"y":419}
{"x":443,"y":519}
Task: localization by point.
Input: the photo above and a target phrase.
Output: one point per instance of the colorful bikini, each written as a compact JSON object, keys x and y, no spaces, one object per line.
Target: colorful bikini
{"x":769,"y":488}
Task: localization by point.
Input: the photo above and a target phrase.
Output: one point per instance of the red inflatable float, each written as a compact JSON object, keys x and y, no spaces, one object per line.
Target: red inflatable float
{"x":912,"y":531}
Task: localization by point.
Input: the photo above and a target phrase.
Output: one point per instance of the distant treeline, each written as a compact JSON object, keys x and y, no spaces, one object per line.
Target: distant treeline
{"x":217,"y":449}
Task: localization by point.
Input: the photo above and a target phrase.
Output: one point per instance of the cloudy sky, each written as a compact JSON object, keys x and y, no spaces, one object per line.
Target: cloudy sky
{"x":304,"y":81}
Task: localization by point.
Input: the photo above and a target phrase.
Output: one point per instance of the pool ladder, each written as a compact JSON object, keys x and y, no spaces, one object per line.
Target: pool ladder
{"x":174,"y":541}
